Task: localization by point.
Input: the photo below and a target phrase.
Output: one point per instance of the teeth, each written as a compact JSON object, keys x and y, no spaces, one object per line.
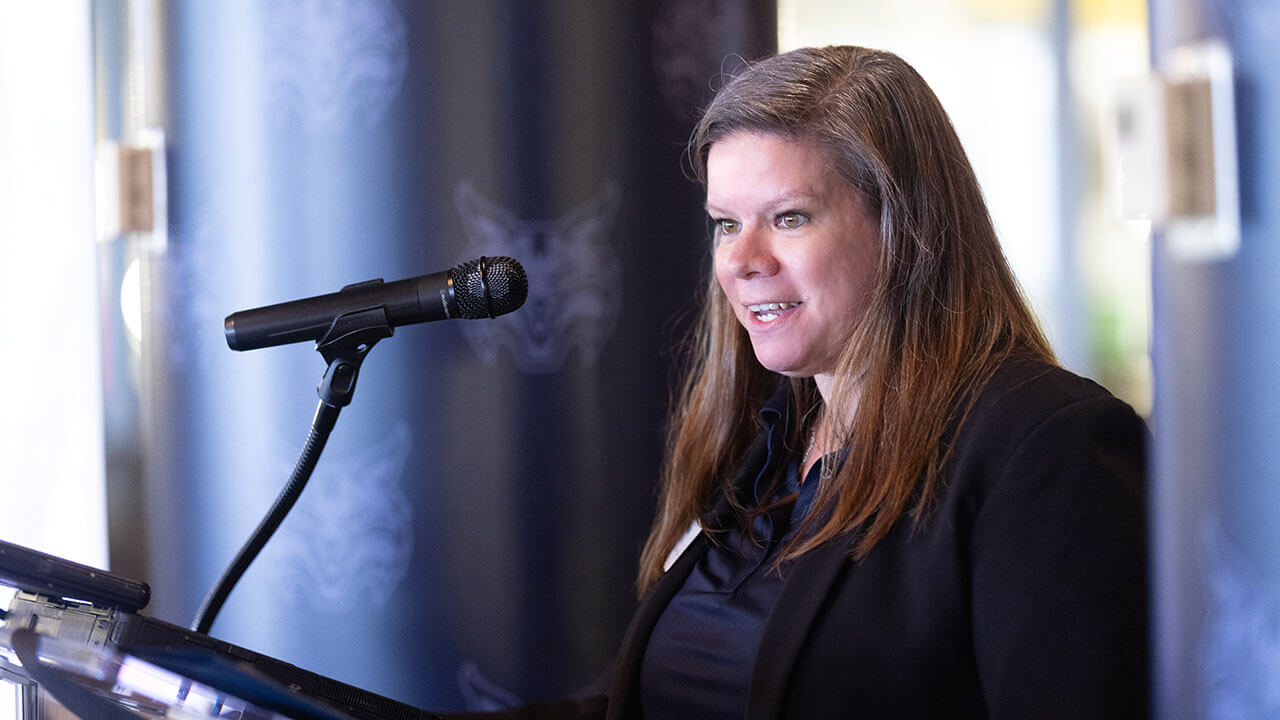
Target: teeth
{"x":766,"y":312}
{"x":763,"y":307}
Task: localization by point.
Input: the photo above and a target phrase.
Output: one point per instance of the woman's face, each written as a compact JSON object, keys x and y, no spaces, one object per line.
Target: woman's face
{"x":796,"y":250}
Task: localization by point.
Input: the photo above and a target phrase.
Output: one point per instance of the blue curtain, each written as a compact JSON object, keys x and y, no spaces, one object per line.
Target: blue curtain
{"x":1215,"y":499}
{"x":470,"y":535}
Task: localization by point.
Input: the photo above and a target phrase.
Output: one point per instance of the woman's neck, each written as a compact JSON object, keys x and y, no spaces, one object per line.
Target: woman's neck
{"x":823,"y":435}
{"x":815,"y":445}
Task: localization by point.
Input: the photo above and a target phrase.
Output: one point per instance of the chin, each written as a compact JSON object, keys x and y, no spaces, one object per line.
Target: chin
{"x":782,"y":368}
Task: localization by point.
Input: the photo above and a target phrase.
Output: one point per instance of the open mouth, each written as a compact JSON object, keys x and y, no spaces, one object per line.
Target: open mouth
{"x":768,"y":312}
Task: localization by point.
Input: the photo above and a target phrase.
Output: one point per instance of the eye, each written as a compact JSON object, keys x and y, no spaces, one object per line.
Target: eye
{"x":724,"y":226}
{"x":791,"y":220}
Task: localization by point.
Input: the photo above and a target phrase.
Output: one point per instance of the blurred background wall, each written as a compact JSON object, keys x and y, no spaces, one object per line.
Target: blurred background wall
{"x":470,"y":535}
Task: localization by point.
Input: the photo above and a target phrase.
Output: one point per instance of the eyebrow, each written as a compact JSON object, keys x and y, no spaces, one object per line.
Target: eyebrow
{"x":779,"y":203}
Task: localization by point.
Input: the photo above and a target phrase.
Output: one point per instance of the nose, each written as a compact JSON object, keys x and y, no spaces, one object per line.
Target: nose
{"x":748,"y":254}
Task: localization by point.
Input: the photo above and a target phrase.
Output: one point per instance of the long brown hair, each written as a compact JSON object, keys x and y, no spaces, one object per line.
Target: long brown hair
{"x":945,"y":310}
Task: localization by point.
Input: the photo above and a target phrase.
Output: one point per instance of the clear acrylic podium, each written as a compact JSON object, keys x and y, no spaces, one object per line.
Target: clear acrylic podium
{"x":74,"y":645}
{"x":65,"y":672}
{"x":52,"y":679}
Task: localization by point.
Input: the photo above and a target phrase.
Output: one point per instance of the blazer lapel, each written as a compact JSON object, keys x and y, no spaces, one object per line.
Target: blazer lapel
{"x":624,"y":695}
{"x":810,"y":579}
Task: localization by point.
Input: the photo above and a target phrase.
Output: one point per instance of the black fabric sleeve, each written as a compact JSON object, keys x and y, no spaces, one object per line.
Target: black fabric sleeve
{"x":1059,"y":570}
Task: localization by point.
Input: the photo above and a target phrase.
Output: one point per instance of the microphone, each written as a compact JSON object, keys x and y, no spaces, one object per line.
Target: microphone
{"x":481,"y":288}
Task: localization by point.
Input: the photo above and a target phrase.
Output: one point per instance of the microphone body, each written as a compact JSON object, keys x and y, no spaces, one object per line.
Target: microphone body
{"x":482,"y":288}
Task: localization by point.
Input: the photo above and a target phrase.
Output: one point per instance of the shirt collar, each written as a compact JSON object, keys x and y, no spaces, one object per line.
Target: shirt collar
{"x":775,"y":418}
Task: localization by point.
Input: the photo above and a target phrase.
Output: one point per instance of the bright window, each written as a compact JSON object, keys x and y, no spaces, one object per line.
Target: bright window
{"x":51,"y":457}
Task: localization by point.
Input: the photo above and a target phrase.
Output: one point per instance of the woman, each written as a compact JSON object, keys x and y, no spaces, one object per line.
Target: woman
{"x":882,"y":497}
{"x":906,"y":508}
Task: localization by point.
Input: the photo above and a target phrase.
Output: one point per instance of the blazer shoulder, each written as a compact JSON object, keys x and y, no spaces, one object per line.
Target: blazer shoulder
{"x":1024,"y":390}
{"x":1030,"y":400}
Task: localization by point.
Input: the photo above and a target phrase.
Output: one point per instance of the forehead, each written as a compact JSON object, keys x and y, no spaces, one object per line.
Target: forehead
{"x":752,"y":166}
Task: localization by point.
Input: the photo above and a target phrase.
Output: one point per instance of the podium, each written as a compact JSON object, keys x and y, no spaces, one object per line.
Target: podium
{"x":48,"y":678}
{"x":74,"y":645}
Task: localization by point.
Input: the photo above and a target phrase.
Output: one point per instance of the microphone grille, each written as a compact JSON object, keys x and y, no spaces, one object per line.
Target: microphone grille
{"x":489,"y":287}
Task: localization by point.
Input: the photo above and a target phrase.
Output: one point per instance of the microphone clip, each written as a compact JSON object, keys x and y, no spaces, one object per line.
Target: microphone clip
{"x":344,"y":346}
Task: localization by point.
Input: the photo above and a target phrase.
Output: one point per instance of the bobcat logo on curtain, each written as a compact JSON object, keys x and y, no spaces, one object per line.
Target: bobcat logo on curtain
{"x":574,"y":280}
{"x":348,"y":543}
{"x":329,"y":63}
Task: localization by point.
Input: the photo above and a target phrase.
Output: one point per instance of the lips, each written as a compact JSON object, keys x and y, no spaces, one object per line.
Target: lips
{"x":768,"y":312}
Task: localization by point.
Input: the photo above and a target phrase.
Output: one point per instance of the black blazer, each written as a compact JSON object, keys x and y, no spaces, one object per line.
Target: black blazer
{"x":1023,"y":595}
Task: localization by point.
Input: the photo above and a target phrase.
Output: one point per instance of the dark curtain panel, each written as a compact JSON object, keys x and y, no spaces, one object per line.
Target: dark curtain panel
{"x":470,"y":535}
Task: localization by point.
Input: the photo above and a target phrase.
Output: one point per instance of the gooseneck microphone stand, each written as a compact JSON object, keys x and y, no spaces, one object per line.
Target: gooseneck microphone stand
{"x":344,"y":347}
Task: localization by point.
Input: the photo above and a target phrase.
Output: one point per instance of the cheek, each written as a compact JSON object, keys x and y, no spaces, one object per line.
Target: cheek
{"x":861,"y":290}
{"x":849,"y":284}
{"x":723,"y":277}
